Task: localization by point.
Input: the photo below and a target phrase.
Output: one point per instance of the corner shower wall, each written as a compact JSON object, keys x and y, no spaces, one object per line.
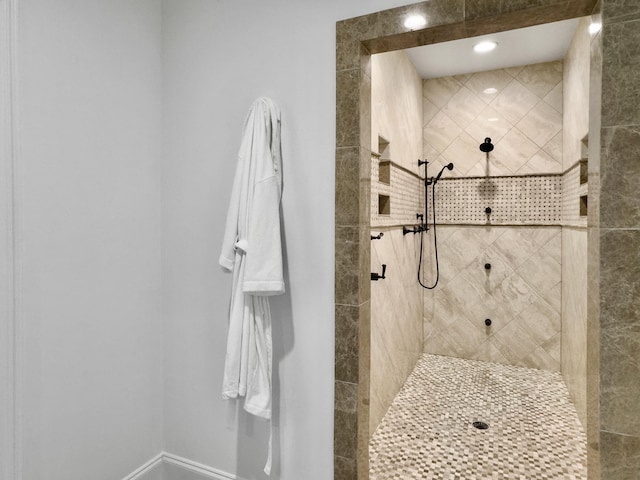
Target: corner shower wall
{"x":396,"y":193}
{"x":521,"y":239}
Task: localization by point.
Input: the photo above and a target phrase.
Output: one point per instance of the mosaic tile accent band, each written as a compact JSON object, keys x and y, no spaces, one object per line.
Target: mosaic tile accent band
{"x":514,"y":200}
{"x":521,"y":200}
{"x":427,"y":433}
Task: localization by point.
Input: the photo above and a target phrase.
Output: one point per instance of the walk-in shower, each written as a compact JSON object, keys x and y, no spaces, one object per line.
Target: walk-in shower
{"x":489,"y":253}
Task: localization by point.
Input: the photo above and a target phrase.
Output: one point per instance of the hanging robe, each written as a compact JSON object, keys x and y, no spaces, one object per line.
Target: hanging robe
{"x":252,"y":250}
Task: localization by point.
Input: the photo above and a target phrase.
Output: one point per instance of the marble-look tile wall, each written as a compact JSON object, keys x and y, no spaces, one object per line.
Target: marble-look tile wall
{"x":396,"y":301}
{"x":574,"y":317}
{"x":574,"y":240}
{"x":396,"y":108}
{"x":618,"y":236}
{"x":521,"y":292}
{"x":522,"y":115}
{"x":396,"y":318}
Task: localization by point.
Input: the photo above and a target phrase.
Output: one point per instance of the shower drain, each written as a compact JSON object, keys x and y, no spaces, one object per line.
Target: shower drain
{"x":481,"y":425}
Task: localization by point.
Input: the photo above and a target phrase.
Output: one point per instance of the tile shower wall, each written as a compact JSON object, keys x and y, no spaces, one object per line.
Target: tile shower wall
{"x":396,"y":301}
{"x":520,"y":294}
{"x":521,"y":180}
{"x":523,"y":118}
{"x":574,"y":232}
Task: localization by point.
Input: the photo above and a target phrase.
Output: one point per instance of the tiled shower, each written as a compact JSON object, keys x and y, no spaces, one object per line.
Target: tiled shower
{"x":523,"y":265}
{"x":611,"y":367}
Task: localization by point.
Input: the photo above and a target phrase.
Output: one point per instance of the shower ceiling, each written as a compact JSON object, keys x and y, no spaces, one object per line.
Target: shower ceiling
{"x":526,"y":46}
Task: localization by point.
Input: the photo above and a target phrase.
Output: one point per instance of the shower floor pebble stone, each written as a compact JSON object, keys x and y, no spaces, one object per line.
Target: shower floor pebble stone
{"x":428,"y":433}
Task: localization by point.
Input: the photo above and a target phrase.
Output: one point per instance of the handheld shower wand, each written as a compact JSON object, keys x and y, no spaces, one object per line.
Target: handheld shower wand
{"x":432,"y":181}
{"x":449,"y":166}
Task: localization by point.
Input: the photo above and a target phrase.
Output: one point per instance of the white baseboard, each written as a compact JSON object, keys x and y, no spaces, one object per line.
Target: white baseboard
{"x":145,"y":471}
{"x":166,"y":466}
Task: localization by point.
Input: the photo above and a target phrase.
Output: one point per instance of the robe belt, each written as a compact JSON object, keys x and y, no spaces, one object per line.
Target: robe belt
{"x":241,"y":244}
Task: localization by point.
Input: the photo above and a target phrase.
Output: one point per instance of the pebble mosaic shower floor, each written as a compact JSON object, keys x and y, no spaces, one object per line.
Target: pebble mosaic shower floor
{"x":427,"y":433}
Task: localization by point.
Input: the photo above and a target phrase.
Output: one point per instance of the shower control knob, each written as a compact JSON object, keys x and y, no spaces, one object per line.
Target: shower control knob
{"x":487,"y":322}
{"x":487,"y":210}
{"x":487,"y":266}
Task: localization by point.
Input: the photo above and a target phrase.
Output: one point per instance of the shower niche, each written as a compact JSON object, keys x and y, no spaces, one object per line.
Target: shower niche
{"x":383,"y":160}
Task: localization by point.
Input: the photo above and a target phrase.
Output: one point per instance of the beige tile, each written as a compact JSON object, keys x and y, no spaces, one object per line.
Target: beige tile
{"x":481,"y":81}
{"x":554,"y":147}
{"x":463,"y":152}
{"x":463,"y":78}
{"x":429,"y":110}
{"x":541,"y":123}
{"x":541,"y":162}
{"x":514,"y":102}
{"x":440,"y":90}
{"x":554,"y":97}
{"x":514,"y":71}
{"x":463,"y":107}
{"x":441,"y":131}
{"x":541,"y":78}
{"x":542,"y":322}
{"x":438,"y":344}
{"x":489,"y":352}
{"x":541,"y":271}
{"x":514,"y":342}
{"x":514,"y":295}
{"x":514,"y":150}
{"x":539,"y":358}
{"x":489,"y":123}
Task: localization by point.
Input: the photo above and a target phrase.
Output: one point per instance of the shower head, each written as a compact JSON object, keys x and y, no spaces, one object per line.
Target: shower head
{"x":487,"y":146}
{"x":448,"y":166}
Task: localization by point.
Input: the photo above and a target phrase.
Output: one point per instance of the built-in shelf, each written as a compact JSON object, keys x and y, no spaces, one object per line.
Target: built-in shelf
{"x":584,"y":162}
{"x":384,"y":150}
{"x":583,"y":205}
{"x":384,"y":172}
{"x":384,"y":204}
{"x":584,"y":171}
{"x":585,"y":146}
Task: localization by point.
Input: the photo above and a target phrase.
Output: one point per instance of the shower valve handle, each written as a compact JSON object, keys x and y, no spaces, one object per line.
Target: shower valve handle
{"x":378,"y":276}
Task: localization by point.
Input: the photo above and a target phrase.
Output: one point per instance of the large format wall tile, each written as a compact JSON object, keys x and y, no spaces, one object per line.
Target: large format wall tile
{"x":519,"y":293}
{"x":523,"y":118}
{"x":396,"y":301}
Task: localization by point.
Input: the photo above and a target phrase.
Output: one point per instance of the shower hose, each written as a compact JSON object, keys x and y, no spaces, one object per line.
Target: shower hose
{"x":435,"y":240}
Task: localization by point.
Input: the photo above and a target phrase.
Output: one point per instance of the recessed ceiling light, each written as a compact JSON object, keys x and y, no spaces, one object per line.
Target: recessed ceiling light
{"x":595,"y":28}
{"x":484,"y":47}
{"x":493,"y":119}
{"x":490,"y":90}
{"x":414,"y":22}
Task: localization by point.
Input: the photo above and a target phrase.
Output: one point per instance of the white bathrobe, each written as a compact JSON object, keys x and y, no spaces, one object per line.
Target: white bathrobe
{"x":252,"y":250}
